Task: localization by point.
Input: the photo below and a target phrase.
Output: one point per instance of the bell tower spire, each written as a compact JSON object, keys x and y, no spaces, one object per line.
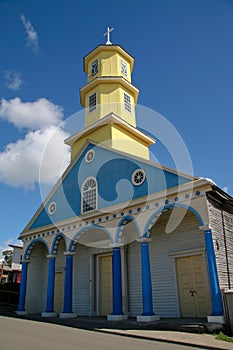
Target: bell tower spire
{"x":109,"y":99}
{"x":109,"y":88}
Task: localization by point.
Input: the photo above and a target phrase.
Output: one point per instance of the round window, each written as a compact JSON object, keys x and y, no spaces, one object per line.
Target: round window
{"x":52,"y":208}
{"x":90,"y":155}
{"x":138,"y":177}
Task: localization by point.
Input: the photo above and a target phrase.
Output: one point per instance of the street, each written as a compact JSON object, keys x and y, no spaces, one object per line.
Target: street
{"x":23,"y":334}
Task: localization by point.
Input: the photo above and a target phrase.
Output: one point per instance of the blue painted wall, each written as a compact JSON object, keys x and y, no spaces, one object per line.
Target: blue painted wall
{"x":113,"y":172}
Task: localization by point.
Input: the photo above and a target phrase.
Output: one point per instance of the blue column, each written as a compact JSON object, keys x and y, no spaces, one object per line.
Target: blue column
{"x":214,"y":283}
{"x":23,"y":286}
{"x":146,"y":281}
{"x":68,"y":285}
{"x":50,"y":287}
{"x":117,"y":284}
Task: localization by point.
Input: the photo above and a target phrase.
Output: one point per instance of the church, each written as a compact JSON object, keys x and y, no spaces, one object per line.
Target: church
{"x":120,"y":235}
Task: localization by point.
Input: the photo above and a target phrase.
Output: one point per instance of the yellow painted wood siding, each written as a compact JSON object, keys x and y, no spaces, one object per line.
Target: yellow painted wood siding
{"x":101,"y":135}
{"x":126,"y":142}
{"x":109,"y":64}
{"x":109,"y":99}
{"x":114,"y":136}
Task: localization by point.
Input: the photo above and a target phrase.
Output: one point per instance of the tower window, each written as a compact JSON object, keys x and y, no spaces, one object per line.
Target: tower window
{"x":89,"y":195}
{"x":94,"y":67}
{"x":127,"y":103}
{"x":124,"y":68}
{"x":92,"y":102}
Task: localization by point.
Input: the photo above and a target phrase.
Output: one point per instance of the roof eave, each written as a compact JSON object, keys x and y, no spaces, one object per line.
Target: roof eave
{"x":107,"y":80}
{"x":112,"y":119}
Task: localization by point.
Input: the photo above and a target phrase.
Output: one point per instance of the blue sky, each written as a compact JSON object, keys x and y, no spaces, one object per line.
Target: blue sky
{"x":183,"y":52}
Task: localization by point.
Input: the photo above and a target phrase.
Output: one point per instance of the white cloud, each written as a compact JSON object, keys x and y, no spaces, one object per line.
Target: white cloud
{"x":32,"y":36}
{"x":4,"y":245}
{"x":55,"y":156}
{"x":32,"y":115}
{"x":226,"y":189}
{"x":20,"y":163}
{"x":41,"y":156}
{"x":13,"y":80}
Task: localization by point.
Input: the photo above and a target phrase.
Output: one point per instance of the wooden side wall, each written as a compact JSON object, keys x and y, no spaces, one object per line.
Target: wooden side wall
{"x":221,"y":222}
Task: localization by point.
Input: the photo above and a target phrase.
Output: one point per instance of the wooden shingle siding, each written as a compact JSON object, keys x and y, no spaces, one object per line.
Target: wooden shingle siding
{"x":221,"y":222}
{"x":228,"y":219}
{"x":81,"y":281}
{"x":185,"y":240}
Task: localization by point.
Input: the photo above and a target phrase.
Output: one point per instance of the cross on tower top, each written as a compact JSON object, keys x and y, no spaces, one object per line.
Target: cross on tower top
{"x":108,"y":42}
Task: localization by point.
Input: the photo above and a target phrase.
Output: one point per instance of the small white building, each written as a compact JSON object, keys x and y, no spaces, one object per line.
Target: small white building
{"x":16,"y":265}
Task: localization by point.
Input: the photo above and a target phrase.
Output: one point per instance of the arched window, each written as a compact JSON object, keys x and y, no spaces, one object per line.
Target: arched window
{"x":89,"y":195}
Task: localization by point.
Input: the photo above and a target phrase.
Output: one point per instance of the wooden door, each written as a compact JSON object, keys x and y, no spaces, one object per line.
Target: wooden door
{"x":193,"y":293}
{"x":58,"y":292}
{"x":105,"y":285}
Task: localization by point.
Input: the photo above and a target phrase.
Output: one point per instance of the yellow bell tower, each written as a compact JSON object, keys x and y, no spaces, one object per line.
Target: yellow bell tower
{"x":109,"y":88}
{"x":109,"y":99}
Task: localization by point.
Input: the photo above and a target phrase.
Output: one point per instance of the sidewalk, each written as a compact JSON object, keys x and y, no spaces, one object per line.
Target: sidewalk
{"x":174,"y":331}
{"x":201,"y":341}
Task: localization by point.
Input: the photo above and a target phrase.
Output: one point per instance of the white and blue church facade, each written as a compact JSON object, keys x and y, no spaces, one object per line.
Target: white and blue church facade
{"x":119,"y":235}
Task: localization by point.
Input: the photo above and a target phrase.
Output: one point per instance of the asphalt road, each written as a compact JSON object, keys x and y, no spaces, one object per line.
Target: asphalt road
{"x":20,"y":334}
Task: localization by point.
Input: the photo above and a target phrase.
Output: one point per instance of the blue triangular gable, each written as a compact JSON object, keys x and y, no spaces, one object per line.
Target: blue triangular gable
{"x":113,"y":172}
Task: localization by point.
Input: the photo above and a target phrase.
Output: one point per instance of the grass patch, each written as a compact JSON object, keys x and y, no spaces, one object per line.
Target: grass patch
{"x":222,"y":336}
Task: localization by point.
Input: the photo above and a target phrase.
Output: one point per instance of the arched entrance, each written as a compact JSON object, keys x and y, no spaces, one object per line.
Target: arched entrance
{"x":92,"y":279}
{"x":37,"y":277}
{"x":179,"y":275}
